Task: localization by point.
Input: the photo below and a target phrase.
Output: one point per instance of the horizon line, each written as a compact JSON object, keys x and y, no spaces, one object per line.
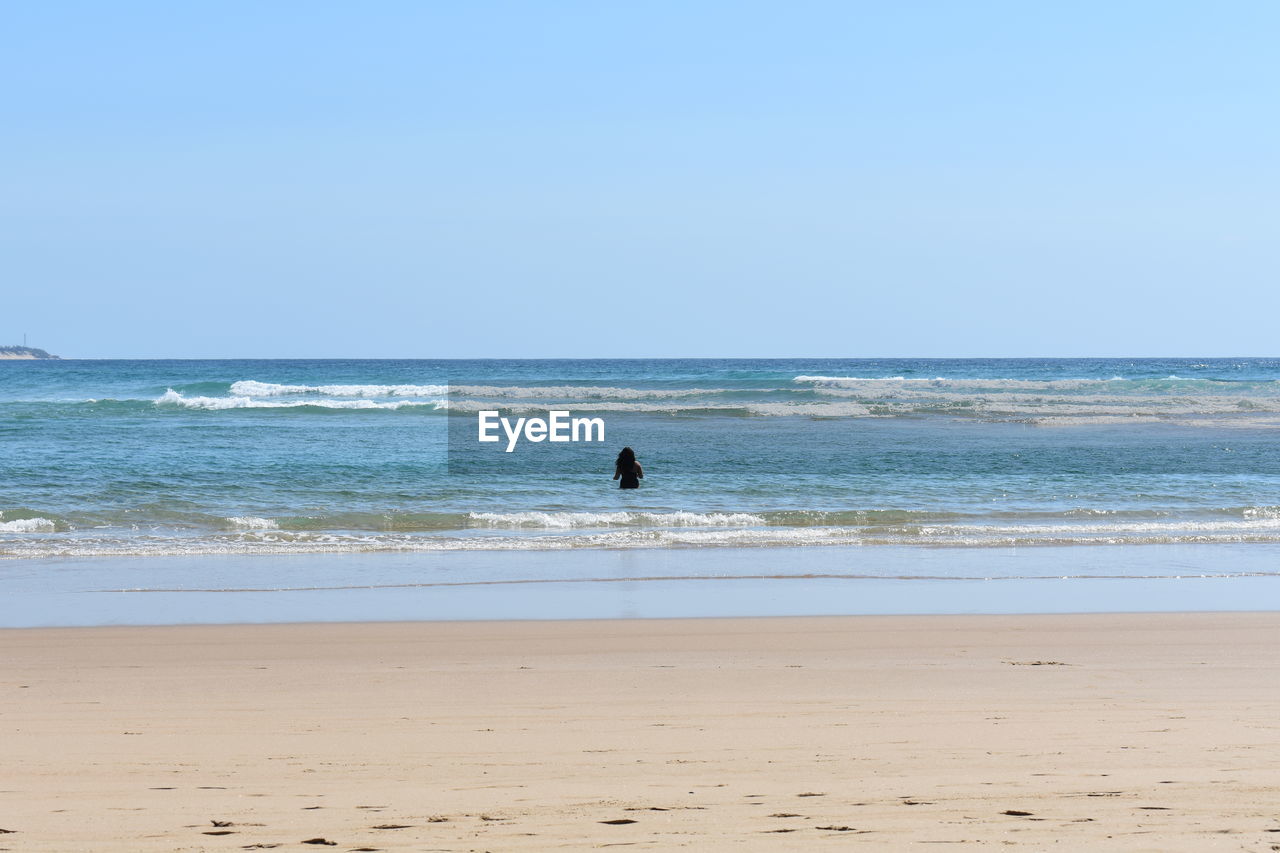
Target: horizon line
{"x":663,"y":358}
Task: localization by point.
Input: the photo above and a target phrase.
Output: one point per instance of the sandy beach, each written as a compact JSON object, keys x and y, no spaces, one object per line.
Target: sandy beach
{"x":1112,"y":732}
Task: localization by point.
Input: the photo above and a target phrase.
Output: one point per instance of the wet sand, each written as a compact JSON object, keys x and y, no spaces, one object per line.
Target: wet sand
{"x":1113,"y":732}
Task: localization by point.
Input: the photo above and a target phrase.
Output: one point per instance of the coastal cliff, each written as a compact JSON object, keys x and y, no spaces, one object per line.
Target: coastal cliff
{"x":24,"y":352}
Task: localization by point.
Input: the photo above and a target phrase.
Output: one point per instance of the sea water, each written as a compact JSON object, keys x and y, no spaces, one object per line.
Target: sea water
{"x":775,"y":459}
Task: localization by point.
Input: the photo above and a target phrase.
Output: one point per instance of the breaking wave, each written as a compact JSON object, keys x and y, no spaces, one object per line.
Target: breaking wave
{"x":251,"y":388}
{"x":250,"y":522}
{"x":28,"y":525}
{"x":288,"y":542}
{"x":1039,"y":402}
{"x":561,"y":530}
{"x":1190,"y":402}
{"x":174,"y":398}
{"x":570,"y":520}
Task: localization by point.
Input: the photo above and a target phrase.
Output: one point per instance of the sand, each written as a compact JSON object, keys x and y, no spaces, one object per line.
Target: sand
{"x":1093,"y":732}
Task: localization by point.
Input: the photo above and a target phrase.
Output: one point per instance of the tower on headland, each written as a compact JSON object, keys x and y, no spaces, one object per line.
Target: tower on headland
{"x":24,"y":351}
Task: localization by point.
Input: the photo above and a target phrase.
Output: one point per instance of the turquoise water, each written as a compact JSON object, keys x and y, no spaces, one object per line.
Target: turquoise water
{"x":105,"y":458}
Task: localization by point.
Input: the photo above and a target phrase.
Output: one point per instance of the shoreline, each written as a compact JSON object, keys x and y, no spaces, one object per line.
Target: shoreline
{"x":583,"y":584}
{"x":410,"y":624}
{"x":1131,"y":731}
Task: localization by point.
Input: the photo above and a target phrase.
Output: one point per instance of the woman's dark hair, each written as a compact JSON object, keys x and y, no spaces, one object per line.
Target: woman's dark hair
{"x":626,"y":459}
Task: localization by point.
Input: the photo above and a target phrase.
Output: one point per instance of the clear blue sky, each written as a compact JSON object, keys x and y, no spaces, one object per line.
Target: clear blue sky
{"x":457,"y":179}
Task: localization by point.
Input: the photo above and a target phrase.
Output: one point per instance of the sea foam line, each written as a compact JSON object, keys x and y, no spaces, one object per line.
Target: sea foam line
{"x":28,"y":525}
{"x":569,"y":520}
{"x":746,"y":533}
{"x":174,"y":398}
{"x":250,"y":522}
{"x":844,"y":409}
{"x":253,"y":388}
{"x":995,"y":384}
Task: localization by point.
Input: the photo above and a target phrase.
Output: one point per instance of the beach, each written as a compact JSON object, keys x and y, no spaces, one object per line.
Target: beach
{"x":1108,"y":731}
{"x":298,"y":604}
{"x":715,"y":427}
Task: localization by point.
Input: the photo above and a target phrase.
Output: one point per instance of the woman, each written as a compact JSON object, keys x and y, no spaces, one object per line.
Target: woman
{"x":628,"y":470}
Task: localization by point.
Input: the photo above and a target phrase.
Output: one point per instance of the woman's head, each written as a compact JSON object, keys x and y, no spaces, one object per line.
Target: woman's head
{"x":627,"y":455}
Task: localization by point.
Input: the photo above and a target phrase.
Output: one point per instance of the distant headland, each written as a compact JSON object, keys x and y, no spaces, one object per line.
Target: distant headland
{"x":24,"y":352}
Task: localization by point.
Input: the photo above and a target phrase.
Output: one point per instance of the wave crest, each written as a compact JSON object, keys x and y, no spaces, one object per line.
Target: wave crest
{"x":28,"y":525}
{"x":569,"y":520}
{"x":252,"y":388}
{"x":251,"y":522}
{"x":174,"y":398}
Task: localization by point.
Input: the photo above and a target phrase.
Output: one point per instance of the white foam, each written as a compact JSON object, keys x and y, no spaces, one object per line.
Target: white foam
{"x":174,"y":398}
{"x":942,"y":382}
{"x":569,"y":520}
{"x":282,"y":542}
{"x":252,"y":388}
{"x":812,"y":410}
{"x":581,"y":392}
{"x":861,"y":379}
{"x":250,"y":522}
{"x":1042,"y":402}
{"x":28,"y":525}
{"x":881,"y":384}
{"x":818,"y":410}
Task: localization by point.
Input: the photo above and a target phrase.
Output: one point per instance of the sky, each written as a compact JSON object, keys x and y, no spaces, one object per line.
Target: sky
{"x":661,"y":179}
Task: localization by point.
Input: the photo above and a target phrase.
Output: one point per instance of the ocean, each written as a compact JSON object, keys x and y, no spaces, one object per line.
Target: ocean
{"x":236,"y":458}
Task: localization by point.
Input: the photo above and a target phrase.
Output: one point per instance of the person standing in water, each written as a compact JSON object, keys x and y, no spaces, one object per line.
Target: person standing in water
{"x":628,"y":470}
